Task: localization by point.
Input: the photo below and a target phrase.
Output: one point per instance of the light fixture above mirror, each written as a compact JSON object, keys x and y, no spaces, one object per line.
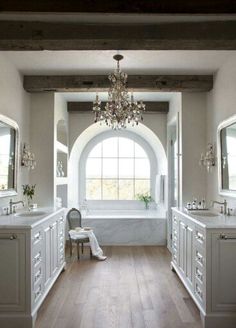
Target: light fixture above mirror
{"x":27,"y":157}
{"x":208,"y":159}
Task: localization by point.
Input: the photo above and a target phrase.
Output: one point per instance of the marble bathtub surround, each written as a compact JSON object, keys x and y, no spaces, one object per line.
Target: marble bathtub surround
{"x":143,"y":227}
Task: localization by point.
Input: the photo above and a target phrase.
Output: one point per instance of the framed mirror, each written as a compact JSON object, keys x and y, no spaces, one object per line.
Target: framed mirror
{"x":9,"y":134}
{"x":227,"y":157}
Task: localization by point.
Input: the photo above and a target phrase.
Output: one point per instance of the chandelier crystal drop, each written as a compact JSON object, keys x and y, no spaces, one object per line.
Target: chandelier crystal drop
{"x":120,"y":109}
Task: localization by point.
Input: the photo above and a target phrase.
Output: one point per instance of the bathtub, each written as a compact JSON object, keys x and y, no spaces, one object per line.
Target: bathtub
{"x":128,"y":227}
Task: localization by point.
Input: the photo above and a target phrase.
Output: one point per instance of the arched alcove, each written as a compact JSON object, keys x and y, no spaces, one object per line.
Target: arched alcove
{"x":96,"y":129}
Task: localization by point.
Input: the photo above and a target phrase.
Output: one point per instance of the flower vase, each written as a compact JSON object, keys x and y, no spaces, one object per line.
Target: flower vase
{"x":28,"y":201}
{"x":147,"y":206}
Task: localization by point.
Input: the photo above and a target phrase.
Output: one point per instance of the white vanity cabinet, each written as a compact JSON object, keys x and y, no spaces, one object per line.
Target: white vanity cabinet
{"x":182,"y":238}
{"x":204,"y":257}
{"x":12,"y":271}
{"x":224,"y":271}
{"x":31,"y":258}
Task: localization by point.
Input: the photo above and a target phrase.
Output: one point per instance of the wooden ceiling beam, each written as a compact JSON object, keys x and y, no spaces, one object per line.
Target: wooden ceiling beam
{"x":20,"y":35}
{"x":99,"y":83}
{"x":151,"y":107}
{"x":118,"y":6}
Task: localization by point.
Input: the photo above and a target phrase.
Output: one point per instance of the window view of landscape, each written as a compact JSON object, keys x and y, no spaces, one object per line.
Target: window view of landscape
{"x":117,"y":169}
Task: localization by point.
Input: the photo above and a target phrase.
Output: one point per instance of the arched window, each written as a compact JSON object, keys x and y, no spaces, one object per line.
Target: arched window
{"x":117,"y":168}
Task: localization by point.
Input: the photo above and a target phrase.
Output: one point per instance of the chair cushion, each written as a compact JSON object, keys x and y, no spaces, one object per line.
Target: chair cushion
{"x":78,"y":236}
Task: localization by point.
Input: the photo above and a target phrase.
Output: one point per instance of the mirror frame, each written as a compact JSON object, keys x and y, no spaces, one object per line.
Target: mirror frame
{"x":223,"y":192}
{"x":14,"y":125}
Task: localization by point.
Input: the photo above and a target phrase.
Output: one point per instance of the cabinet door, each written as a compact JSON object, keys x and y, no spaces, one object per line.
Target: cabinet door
{"x":47,"y":255}
{"x":54,"y":247}
{"x":224,"y":272}
{"x":12,"y":272}
{"x":189,"y":270}
{"x":182,"y":246}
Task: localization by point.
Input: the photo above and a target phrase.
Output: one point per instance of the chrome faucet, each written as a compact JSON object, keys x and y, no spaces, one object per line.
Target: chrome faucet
{"x":224,"y":203}
{"x":11,"y":203}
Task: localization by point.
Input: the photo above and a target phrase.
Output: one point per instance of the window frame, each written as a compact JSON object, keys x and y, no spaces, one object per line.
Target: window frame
{"x":82,"y":169}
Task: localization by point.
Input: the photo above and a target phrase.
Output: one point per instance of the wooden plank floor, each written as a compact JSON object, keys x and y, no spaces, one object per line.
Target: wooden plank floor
{"x":133,"y":288}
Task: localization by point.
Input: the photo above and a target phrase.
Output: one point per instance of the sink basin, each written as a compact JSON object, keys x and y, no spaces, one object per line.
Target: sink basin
{"x":31,"y":214}
{"x":204,"y":213}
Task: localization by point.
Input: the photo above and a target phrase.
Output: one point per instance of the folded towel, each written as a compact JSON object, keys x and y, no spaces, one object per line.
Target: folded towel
{"x":160,"y":189}
{"x":95,"y":248}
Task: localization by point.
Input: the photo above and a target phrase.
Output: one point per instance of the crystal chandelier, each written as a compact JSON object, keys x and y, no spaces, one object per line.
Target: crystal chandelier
{"x":120,"y":108}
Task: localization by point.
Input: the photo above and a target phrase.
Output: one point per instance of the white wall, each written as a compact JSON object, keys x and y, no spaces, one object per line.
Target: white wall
{"x":78,"y":122}
{"x":221,"y":104}
{"x":193,"y":144}
{"x":42,"y":143}
{"x":14,"y":103}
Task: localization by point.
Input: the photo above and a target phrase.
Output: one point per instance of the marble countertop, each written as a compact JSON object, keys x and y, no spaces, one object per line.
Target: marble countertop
{"x":220,"y":221}
{"x":20,"y":222}
{"x":126,"y":214}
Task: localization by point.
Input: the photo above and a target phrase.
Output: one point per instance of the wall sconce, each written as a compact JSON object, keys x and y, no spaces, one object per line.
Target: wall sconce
{"x":27,"y":158}
{"x":209,"y":159}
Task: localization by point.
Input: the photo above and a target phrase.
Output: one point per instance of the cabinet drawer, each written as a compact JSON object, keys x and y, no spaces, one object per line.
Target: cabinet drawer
{"x":37,"y":237}
{"x":175,"y":244}
{"x":199,"y":258}
{"x":175,"y":258}
{"x":200,"y":236}
{"x":61,"y":235}
{"x":37,"y":292}
{"x":61,"y":224}
{"x":37,"y":275}
{"x":37,"y":258}
{"x":199,"y":274}
{"x":198,"y":291}
{"x":175,"y":222}
{"x":175,"y":234}
{"x":61,"y":258}
{"x":61,"y":248}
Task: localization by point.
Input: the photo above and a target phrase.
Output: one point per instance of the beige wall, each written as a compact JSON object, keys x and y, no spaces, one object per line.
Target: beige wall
{"x":14,"y":103}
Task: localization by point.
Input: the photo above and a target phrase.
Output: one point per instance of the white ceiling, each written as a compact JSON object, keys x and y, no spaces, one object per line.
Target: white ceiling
{"x":102,"y":62}
{"x":134,"y":62}
{"x":145,"y":96}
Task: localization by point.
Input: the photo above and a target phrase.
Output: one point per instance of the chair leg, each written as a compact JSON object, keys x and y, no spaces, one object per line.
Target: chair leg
{"x":70,"y":247}
{"x":91,"y":255}
{"x":82,"y":246}
{"x":78,"y":250}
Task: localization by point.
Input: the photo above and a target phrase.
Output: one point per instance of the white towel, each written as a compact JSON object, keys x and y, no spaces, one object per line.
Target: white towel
{"x":95,"y":248}
{"x":160,"y":189}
